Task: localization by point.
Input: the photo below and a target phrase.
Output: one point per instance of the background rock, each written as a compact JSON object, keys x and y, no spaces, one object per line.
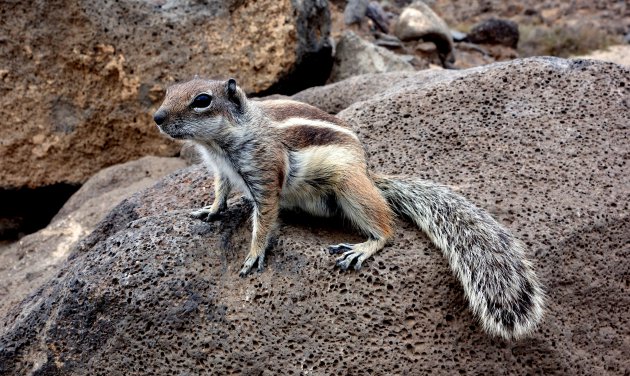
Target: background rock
{"x":27,"y":264}
{"x":608,"y":16}
{"x":79,"y":80}
{"x":376,"y":13}
{"x":354,"y":12}
{"x":548,"y":27}
{"x":616,"y":54}
{"x":495,"y":31}
{"x":153,"y":290}
{"x":355,"y":56}
{"x":418,"y":21}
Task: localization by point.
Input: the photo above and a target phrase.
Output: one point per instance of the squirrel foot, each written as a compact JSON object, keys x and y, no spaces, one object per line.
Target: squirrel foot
{"x":205,"y":214}
{"x":249,"y":263}
{"x":353,"y":255}
{"x":350,"y":259}
{"x":339,"y":248}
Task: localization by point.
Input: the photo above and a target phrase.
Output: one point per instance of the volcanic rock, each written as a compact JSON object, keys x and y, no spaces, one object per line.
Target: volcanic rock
{"x":335,"y":97}
{"x":495,"y":31}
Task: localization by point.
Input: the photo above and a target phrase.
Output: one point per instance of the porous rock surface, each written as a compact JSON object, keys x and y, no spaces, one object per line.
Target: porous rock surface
{"x":28,"y":263}
{"x":540,"y":143}
{"x":337,"y":96}
{"x":78,"y":77}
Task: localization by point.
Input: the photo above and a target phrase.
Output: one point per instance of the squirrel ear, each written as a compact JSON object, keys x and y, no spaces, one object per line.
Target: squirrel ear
{"x":230,"y":88}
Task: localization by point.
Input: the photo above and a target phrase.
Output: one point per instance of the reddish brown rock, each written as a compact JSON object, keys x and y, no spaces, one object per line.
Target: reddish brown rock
{"x":153,"y":290}
{"x":79,"y":80}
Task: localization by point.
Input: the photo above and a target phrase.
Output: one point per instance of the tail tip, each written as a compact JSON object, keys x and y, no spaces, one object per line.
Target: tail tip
{"x":515,"y":324}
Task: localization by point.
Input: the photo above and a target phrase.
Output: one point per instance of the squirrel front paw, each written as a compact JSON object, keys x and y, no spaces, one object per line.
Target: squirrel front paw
{"x":207,"y":213}
{"x":249,"y":263}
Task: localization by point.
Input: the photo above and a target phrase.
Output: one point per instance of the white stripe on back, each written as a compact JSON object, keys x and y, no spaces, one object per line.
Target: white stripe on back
{"x":297,"y":121}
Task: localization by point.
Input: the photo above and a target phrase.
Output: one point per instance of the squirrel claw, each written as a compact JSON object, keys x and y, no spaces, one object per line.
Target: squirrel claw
{"x":211,"y":217}
{"x":339,"y":248}
{"x":205,"y":214}
{"x":249,"y":263}
{"x":350,"y":259}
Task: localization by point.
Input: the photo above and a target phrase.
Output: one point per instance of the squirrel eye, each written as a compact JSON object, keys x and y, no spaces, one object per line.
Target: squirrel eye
{"x":201,"y":101}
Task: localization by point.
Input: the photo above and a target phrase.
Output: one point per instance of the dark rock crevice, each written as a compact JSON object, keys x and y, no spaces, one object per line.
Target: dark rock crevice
{"x":26,"y":210}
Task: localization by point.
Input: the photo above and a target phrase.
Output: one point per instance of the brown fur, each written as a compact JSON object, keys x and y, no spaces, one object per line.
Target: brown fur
{"x":299,"y":137}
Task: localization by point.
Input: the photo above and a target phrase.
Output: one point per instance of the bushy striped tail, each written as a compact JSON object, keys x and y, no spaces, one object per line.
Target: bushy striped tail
{"x":498,"y":280}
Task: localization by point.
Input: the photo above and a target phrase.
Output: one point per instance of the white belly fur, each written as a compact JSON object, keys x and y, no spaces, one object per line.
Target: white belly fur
{"x":220,"y":165}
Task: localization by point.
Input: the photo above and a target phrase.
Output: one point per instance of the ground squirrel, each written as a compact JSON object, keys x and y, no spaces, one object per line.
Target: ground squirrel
{"x":284,"y":154}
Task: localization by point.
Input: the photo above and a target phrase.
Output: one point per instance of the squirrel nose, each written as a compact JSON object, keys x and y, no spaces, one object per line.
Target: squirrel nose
{"x":159,"y":117}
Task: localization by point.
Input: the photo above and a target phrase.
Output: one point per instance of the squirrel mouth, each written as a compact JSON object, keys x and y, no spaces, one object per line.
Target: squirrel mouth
{"x":175,"y":134}
{"x":180,"y":136}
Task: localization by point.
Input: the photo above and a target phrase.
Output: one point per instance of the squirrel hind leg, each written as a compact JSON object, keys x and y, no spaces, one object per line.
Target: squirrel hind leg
{"x":356,"y":254}
{"x":362,"y":203}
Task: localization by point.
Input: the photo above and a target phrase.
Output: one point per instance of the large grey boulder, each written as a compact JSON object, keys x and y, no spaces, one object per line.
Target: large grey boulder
{"x":540,"y":143}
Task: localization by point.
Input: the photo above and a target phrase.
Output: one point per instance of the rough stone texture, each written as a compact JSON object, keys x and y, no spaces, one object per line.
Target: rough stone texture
{"x":495,"y":31}
{"x":25,"y":265}
{"x":540,"y":143}
{"x":355,"y":56}
{"x":418,"y":21}
{"x":78,"y":78}
{"x":337,"y":96}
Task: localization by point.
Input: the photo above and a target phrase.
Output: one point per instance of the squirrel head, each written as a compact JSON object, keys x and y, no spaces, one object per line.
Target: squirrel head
{"x":201,"y":109}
